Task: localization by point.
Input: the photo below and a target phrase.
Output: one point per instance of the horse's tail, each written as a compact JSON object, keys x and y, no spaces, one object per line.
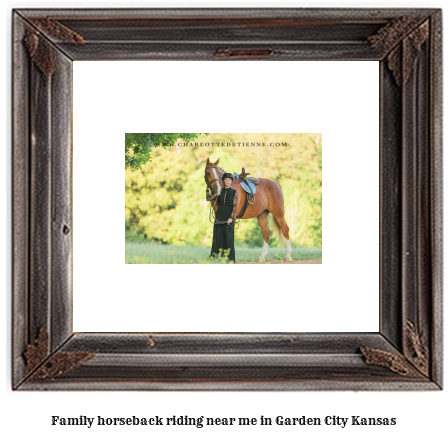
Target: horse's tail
{"x":277,"y":229}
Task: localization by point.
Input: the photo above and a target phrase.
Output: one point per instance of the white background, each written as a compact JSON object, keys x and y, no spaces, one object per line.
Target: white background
{"x":418,"y":414}
{"x":340,"y":295}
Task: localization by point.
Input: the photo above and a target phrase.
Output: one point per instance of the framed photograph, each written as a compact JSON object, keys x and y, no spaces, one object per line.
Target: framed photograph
{"x":154,"y":196}
{"x":173,"y":318}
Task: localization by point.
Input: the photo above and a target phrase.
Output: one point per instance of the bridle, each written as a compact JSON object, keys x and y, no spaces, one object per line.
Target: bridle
{"x":208,"y":196}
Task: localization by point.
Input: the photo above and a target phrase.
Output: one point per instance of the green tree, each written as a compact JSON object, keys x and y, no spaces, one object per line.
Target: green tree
{"x":138,"y":146}
{"x":153,"y":193}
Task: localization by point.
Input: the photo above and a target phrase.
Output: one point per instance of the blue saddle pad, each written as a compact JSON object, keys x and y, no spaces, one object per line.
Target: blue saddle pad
{"x":247,"y":185}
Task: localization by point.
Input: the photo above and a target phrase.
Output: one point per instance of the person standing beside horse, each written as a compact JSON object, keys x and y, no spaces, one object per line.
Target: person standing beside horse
{"x":269,"y":201}
{"x":223,"y":228}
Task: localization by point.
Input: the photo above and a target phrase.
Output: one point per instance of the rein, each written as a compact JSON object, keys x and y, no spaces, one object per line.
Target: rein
{"x":211,"y":215}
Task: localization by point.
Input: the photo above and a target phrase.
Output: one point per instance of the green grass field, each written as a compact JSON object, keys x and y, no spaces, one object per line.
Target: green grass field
{"x":150,"y":253}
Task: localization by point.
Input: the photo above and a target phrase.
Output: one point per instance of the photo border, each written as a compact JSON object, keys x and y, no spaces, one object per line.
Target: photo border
{"x":406,"y":353}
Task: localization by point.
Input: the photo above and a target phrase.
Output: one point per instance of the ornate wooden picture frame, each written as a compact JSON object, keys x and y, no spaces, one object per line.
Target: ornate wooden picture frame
{"x":406,"y":353}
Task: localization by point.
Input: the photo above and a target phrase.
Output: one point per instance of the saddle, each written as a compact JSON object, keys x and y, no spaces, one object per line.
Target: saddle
{"x":248,"y":185}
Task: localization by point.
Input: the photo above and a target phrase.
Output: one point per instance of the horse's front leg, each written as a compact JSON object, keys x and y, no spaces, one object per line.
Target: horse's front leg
{"x":263,"y":222}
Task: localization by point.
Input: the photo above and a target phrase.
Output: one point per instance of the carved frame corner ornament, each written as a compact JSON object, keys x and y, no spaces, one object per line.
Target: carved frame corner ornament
{"x":393,"y":361}
{"x":417,"y":349}
{"x":40,"y":48}
{"x":413,"y":364}
{"x":401,"y":57}
{"x":40,"y":365}
{"x":406,"y":353}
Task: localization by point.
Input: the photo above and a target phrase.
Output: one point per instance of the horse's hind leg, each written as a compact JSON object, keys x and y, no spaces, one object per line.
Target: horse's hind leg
{"x":263,"y":222}
{"x":283,"y":227}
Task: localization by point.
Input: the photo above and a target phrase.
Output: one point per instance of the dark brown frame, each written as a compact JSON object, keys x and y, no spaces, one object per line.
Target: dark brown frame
{"x":406,"y":354}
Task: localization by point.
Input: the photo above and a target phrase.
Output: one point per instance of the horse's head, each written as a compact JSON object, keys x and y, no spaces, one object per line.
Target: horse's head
{"x":212,"y":179}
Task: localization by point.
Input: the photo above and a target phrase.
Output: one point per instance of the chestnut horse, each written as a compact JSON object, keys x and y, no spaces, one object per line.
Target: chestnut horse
{"x":268,"y":199}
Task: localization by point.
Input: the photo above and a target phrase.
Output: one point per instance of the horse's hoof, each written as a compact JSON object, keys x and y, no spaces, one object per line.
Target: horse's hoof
{"x":288,"y":259}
